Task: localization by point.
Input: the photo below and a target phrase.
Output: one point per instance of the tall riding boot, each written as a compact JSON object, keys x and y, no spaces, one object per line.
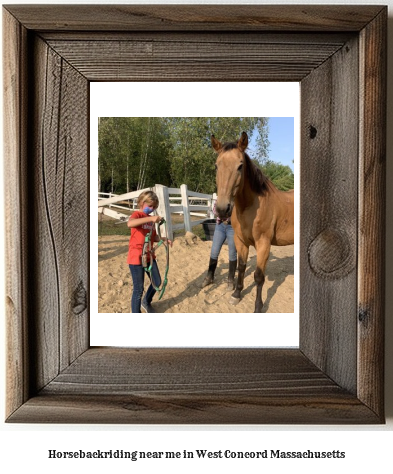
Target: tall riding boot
{"x":210,"y":273}
{"x":231,"y":274}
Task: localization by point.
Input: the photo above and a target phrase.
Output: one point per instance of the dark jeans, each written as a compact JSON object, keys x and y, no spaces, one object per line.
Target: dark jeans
{"x":138,"y":279}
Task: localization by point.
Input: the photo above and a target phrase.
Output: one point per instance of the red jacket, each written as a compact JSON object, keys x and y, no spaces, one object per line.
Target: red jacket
{"x":137,"y":239}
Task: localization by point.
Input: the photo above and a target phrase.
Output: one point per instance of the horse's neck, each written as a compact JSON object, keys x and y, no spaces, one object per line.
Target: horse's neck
{"x":245,"y":197}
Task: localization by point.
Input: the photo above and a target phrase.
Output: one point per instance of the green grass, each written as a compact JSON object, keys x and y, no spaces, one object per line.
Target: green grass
{"x":112,"y":227}
{"x":108,"y":226}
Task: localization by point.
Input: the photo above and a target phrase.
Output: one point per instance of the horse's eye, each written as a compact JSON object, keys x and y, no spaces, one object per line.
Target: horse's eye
{"x":240,"y":167}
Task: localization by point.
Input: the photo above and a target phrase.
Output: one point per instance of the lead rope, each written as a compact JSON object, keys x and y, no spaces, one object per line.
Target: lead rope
{"x":149,"y":250}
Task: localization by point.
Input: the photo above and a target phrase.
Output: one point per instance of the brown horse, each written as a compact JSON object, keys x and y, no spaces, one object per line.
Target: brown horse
{"x":261,"y":215}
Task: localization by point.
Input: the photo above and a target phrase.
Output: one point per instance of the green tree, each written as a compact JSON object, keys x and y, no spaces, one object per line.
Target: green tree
{"x":110,"y":159}
{"x":138,"y":152}
{"x":132,"y":153}
{"x":281,"y":175}
{"x":192,"y":160}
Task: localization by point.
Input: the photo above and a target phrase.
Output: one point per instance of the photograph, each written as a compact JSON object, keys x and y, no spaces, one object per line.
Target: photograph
{"x":196,"y":214}
{"x":171,"y":148}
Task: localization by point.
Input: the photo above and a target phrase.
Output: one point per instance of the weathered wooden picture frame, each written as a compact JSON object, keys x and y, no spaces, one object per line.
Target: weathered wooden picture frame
{"x":338,"y":54}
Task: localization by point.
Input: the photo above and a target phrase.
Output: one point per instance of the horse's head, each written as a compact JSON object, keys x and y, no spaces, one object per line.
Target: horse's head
{"x":230,"y":173}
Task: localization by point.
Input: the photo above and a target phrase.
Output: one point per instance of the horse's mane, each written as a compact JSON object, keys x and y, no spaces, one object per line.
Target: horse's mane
{"x":258,"y":182}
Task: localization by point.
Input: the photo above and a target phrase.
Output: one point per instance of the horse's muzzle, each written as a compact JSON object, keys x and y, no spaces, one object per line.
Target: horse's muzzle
{"x":224,"y":212}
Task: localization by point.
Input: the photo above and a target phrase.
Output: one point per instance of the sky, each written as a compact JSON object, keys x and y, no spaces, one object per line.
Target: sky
{"x":281,"y":138}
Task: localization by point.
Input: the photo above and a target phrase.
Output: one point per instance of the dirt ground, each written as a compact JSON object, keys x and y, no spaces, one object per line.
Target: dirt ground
{"x":189,"y":258}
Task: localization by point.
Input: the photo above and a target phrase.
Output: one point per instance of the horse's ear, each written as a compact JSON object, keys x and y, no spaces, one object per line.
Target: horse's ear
{"x":242,"y":144}
{"x":216,"y":144}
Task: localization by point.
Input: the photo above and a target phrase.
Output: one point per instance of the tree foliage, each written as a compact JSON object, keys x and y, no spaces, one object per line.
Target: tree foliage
{"x":138,"y":152}
{"x":281,"y":175}
{"x":133,"y":153}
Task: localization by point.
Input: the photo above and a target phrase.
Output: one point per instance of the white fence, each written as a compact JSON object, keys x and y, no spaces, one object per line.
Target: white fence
{"x":172,"y":201}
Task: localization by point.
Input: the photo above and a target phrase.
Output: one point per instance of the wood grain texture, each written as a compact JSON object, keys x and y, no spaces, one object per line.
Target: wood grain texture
{"x":58,"y":266}
{"x":201,"y":37}
{"x":14,"y":75}
{"x":335,"y":376}
{"x":372,"y":196}
{"x":180,"y":59}
{"x":328,"y":248}
{"x":157,"y":409}
{"x":185,"y":371}
{"x":195,"y":17}
{"x":195,"y":386}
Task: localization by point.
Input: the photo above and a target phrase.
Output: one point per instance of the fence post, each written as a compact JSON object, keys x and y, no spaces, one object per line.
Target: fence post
{"x":164,"y":208}
{"x":186,"y":210}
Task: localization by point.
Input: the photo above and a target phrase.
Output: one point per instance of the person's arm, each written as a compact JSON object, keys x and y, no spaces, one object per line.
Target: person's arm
{"x":137,"y":222}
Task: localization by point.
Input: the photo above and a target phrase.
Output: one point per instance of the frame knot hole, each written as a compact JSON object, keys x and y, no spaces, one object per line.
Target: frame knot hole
{"x":364,"y":315}
{"x":313,"y":132}
{"x":80,"y":299}
{"x":10,"y":303}
{"x":330,"y":254}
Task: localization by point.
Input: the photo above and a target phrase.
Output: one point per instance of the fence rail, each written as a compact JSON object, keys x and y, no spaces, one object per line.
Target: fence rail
{"x":171,"y":201}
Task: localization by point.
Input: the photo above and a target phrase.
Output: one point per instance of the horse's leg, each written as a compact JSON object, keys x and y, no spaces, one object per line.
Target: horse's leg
{"x":242,"y":255}
{"x":263,"y":251}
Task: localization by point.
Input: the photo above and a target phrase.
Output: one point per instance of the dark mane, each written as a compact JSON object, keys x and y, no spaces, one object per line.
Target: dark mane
{"x":258,"y":182}
{"x":229,"y":146}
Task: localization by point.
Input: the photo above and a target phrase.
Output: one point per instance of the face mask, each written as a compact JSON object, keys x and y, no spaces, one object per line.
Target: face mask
{"x":148,"y":210}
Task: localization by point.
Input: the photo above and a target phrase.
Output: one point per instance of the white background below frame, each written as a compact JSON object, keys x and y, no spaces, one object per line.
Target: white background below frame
{"x":203,"y":100}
